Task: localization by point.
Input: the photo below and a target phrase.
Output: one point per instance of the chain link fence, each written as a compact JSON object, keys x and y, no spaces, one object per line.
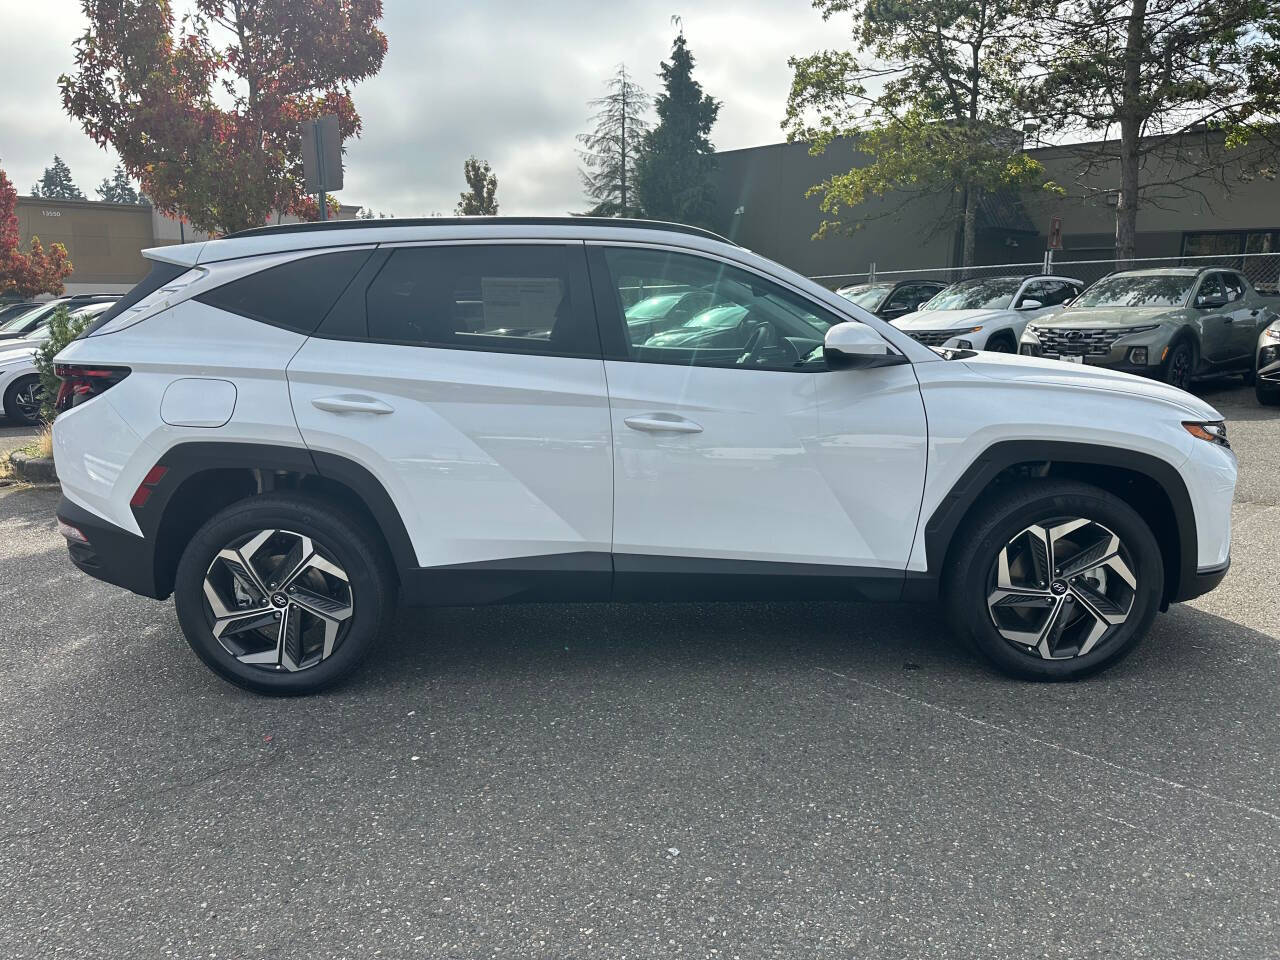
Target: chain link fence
{"x":1262,"y":269}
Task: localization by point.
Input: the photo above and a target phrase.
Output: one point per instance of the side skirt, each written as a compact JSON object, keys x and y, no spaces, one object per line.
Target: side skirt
{"x":637,"y":577}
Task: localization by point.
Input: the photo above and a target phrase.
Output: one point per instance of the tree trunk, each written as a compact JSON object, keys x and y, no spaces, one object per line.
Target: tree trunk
{"x":1130,"y":137}
{"x":969,"y":243}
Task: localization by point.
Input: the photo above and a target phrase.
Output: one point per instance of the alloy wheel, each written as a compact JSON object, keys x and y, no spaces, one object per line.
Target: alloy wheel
{"x":27,"y":399}
{"x":1180,"y":368}
{"x":1062,"y":588}
{"x":277,"y":600}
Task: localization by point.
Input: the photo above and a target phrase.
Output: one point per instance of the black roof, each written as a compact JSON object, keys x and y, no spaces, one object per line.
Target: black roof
{"x":324,"y":225}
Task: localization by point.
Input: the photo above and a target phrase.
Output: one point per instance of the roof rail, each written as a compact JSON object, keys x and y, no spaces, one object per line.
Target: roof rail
{"x":623,"y":222}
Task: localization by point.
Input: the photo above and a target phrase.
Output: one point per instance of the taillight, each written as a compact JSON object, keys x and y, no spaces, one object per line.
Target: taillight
{"x":83,"y":383}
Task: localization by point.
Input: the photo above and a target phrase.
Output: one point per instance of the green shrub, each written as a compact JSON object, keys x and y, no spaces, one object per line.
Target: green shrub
{"x":63,"y":328}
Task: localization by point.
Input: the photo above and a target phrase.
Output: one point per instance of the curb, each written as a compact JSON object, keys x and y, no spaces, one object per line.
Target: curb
{"x":33,"y":469}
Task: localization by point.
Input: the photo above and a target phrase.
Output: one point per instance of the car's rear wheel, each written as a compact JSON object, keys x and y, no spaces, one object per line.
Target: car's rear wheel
{"x":1179,"y":365}
{"x":22,"y":400}
{"x":284,"y":594}
{"x":1054,"y":580}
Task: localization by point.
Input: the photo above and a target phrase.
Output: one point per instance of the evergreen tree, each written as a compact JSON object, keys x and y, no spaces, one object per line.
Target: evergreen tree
{"x":612,"y":149}
{"x":479,"y":198}
{"x":56,"y":184}
{"x":673,"y":173}
{"x":118,"y":188}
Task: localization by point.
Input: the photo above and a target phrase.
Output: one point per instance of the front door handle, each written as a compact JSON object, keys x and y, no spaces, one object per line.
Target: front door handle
{"x":351,"y":403}
{"x":662,"y":423}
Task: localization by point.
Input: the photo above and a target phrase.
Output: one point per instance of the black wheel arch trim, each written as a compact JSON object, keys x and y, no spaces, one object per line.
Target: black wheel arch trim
{"x":939,"y":532}
{"x":188,"y":459}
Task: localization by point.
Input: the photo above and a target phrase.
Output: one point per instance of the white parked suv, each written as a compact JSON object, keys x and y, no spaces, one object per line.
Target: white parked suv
{"x":20,"y":379}
{"x":988,"y":313}
{"x":289,"y":428}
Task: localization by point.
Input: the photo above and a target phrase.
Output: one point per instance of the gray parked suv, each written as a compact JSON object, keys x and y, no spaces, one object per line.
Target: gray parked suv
{"x":1172,"y":323}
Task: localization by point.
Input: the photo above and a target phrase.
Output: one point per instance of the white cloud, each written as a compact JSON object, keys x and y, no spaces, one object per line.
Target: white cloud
{"x":504,"y":79}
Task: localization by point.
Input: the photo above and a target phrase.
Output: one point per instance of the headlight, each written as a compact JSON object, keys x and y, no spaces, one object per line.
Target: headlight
{"x":1031,"y":328}
{"x":1214,"y":431}
{"x":1129,"y":331}
{"x":1272,"y":331}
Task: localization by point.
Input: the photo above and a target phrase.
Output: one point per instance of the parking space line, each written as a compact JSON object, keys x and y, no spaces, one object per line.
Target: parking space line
{"x":999,"y":728}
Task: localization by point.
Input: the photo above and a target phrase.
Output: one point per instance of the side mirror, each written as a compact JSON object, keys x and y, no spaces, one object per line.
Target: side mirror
{"x":1030,"y":305}
{"x":854,"y":345}
{"x":1215,"y":301}
{"x":1069,"y":301}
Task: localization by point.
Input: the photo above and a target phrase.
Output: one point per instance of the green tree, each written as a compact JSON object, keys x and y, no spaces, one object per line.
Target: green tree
{"x":56,"y":184}
{"x":673,"y":171}
{"x":930,"y":92}
{"x":118,"y":188}
{"x":479,"y":199}
{"x":612,"y":149}
{"x":1132,"y":71}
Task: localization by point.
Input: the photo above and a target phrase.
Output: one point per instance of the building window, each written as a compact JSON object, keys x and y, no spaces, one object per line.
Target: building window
{"x":1230,"y":243}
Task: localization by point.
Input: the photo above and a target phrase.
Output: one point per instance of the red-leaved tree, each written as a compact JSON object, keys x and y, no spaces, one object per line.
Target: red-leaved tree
{"x":38,"y":270}
{"x":206,"y":113}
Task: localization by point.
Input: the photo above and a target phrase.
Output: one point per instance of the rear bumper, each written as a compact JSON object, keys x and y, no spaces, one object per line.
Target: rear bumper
{"x":112,"y":555}
{"x":1205,"y":580}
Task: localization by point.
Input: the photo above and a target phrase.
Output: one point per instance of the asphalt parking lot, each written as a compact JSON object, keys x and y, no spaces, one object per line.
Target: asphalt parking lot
{"x":771,"y":780}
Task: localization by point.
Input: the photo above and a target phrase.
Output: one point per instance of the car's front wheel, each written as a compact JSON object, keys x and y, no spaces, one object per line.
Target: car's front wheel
{"x":1268,"y":394}
{"x":1179,"y":365}
{"x":284,"y":594}
{"x":1054,"y":579}
{"x":22,"y":400}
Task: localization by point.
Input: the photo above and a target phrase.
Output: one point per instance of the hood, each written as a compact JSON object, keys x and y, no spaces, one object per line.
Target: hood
{"x":949,"y":319}
{"x":1106,"y":317}
{"x":1034,"y":370}
{"x":12,"y":351}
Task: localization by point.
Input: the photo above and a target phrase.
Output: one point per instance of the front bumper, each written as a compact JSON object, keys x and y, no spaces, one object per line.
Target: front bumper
{"x":1204,"y":581}
{"x":112,"y":555}
{"x":1117,"y":355}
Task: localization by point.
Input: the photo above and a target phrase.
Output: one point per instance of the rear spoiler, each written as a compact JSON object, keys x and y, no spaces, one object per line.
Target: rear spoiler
{"x":179,"y":254}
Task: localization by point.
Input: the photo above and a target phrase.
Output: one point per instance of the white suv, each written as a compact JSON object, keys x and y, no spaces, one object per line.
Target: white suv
{"x":288,"y":428}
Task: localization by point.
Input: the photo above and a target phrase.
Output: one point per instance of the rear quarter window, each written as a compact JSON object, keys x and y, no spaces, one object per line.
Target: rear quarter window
{"x":295,"y":295}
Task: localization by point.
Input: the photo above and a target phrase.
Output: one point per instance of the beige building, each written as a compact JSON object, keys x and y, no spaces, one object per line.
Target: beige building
{"x":105,"y":240}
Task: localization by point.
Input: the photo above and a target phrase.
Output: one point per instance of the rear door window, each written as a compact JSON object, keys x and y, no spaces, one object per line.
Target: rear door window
{"x":503,"y":298}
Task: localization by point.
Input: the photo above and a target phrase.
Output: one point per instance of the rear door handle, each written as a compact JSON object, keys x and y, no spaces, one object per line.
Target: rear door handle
{"x":662,"y":423}
{"x":351,"y":403}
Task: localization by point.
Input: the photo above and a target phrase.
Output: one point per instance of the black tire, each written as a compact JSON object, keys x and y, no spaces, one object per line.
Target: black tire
{"x":15,"y":409}
{"x":1179,"y":366}
{"x":1267,"y":394}
{"x":337,"y":534}
{"x":1001,"y":343}
{"x":1249,"y":377}
{"x":972,"y":560}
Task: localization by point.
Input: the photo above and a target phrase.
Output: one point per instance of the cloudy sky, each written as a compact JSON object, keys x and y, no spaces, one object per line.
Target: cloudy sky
{"x":507,"y":80}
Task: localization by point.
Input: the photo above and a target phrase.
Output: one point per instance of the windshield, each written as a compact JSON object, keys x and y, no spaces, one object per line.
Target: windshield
{"x":1141,"y":290}
{"x":726,"y":315}
{"x":867,"y":295}
{"x":653,"y":307}
{"x":22,"y":319}
{"x":995,"y":293}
